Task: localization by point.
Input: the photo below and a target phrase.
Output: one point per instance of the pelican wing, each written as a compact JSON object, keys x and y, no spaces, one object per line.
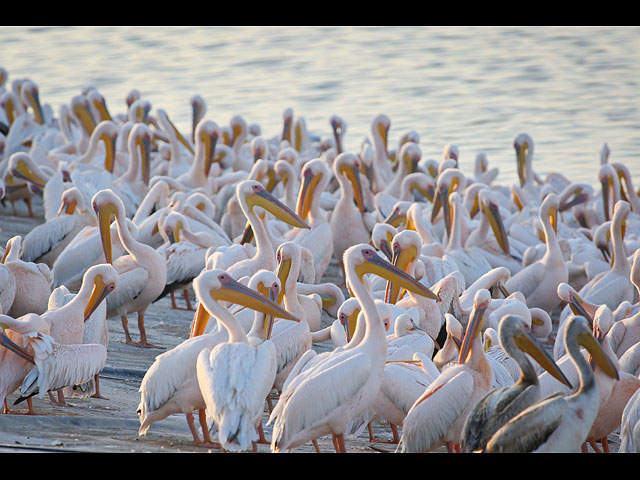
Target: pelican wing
{"x":403,"y":385}
{"x":235,"y":379}
{"x":132,"y":279}
{"x":317,"y":392}
{"x":44,"y":238}
{"x":292,"y":340}
{"x":59,"y":366}
{"x":430,"y":417}
{"x":530,"y":429}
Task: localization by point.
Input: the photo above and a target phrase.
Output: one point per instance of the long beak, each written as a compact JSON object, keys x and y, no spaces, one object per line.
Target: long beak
{"x":269,"y":319}
{"x":85,"y":118}
{"x":210,"y":142}
{"x":305,"y":194}
{"x":104,"y":214}
{"x":386,"y":249}
{"x":521,"y":154}
{"x":97,"y":295}
{"x":179,"y":136}
{"x":495,"y":220}
{"x":605,"y":198}
{"x":353,"y":174}
{"x":34,"y":100}
{"x":402,"y":258}
{"x":348,"y":322}
{"x":437,"y":205}
{"x":24,"y":172}
{"x":274,"y":206}
{"x":576,"y":200}
{"x":235,"y":292}
{"x":600,"y":358}
{"x":101,"y":106}
{"x":110,"y":153}
{"x":8,"y":344}
{"x":395,"y":218}
{"x":576,"y":305}
{"x":384,"y":135}
{"x":503,"y":290}
{"x":67,"y":208}
{"x":284,"y":267}
{"x":529,"y":344}
{"x":286,"y":130}
{"x":336,"y":136}
{"x":473,"y":330}
{"x":200,"y":320}
{"x":390,"y":272}
{"x":145,"y":155}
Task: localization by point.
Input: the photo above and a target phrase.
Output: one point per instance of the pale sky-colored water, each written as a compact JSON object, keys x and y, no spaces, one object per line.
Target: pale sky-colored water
{"x":572,"y":89}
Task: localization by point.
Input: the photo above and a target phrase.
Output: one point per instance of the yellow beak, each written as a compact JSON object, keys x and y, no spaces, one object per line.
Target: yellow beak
{"x":97,"y":295}
{"x":104,"y":214}
{"x":495,"y":220}
{"x":527,"y":343}
{"x":473,"y":330}
{"x":305,"y":194}
{"x":274,"y":206}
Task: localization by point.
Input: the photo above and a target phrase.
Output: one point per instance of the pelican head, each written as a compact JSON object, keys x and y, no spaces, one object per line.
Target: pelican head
{"x":81,"y":110}
{"x":449,"y":181}
{"x":406,"y":247}
{"x":514,"y":327}
{"x":348,"y":165}
{"x":206,"y":137}
{"x":72,"y":199}
{"x":549,"y":209}
{"x":568,"y":294}
{"x":287,"y":123}
{"x":398,"y":215}
{"x":382,"y":238}
{"x":481,"y":302}
{"x":348,"y":316}
{"x":490,"y":207}
{"x":259,"y":148}
{"x":29,"y":93}
{"x":287,"y":257}
{"x":574,"y":194}
{"x":105,"y":280}
{"x":172,"y":225}
{"x":169,"y":126}
{"x":219,"y":286}
{"x":107,"y":132}
{"x":97,"y":101}
{"x":451,"y":152}
{"x":269,"y":285}
{"x":198,"y":109}
{"x":107,"y":204}
{"x":578,"y":332}
{"x":252,"y":193}
{"x":454,"y":330}
{"x":410,"y":154}
{"x":315,"y":176}
{"x":21,"y":165}
{"x":380,"y":129}
{"x":364,"y":259}
{"x":339,"y":127}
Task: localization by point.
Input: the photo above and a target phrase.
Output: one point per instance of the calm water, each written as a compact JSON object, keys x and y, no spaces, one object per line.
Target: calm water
{"x":571,"y":88}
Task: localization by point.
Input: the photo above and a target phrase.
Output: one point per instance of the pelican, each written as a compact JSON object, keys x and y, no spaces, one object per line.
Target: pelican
{"x":142,"y":273}
{"x":309,"y":407}
{"x":539,"y":281}
{"x":559,"y":423}
{"x":32,"y":288}
{"x":437,"y":417}
{"x":347,"y":220}
{"x":501,"y":405}
{"x":46,"y":241}
{"x":319,"y":238}
{"x":625,"y":333}
{"x":235,"y":376}
{"x":630,"y":432}
{"x":382,"y":172}
{"x":53,"y":366}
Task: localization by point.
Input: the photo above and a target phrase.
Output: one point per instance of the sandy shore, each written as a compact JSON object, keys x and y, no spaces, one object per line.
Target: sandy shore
{"x":111,"y":424}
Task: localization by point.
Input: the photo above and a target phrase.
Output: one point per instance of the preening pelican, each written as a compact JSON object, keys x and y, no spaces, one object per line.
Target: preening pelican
{"x":309,"y":407}
{"x":559,"y":423}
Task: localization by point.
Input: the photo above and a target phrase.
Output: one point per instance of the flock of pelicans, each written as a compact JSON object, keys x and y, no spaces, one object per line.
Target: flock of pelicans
{"x":452,"y":281}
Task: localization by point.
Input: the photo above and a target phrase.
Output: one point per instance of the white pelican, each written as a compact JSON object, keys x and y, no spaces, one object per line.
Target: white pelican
{"x":408,"y":159}
{"x":347,"y":220}
{"x":437,"y":417}
{"x":539,"y":281}
{"x":46,"y":241}
{"x":499,"y":406}
{"x":559,"y":423}
{"x":319,"y":238}
{"x":450,"y":350}
{"x":32,"y":288}
{"x":7,"y":288}
{"x":309,"y":407}
{"x":235,"y":376}
{"x":142,"y":273}
{"x":206,"y":137}
{"x":53,"y":366}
